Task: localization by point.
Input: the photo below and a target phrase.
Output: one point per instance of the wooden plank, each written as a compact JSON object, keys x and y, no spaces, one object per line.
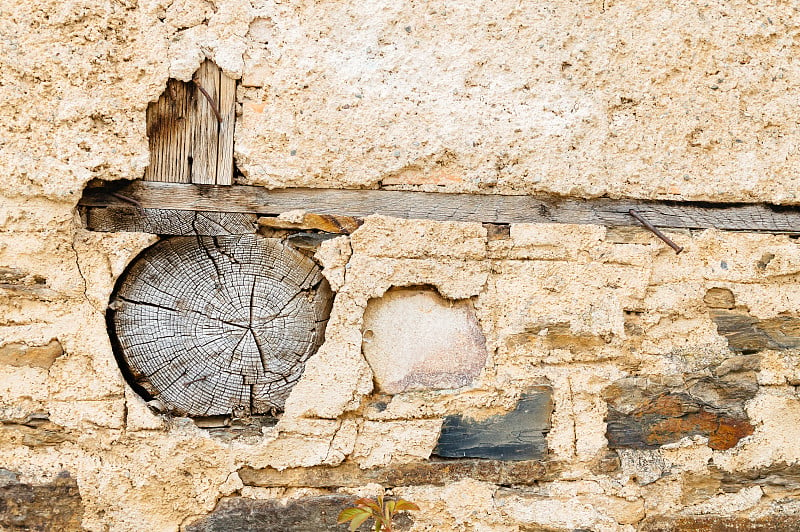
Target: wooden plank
{"x":213,"y":122}
{"x":227,"y":109}
{"x":206,"y":141}
{"x":169,"y":221}
{"x":170,"y":135}
{"x":454,"y":207}
{"x":188,"y":143}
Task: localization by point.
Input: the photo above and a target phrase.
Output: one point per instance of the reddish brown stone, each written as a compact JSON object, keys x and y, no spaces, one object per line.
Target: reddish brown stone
{"x":723,"y":432}
{"x":643,"y":414}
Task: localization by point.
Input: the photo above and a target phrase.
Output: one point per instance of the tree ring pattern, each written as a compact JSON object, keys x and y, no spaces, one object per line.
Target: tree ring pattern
{"x":219,"y":325}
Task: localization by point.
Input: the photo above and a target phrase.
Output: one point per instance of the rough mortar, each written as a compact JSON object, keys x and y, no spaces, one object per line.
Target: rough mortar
{"x":668,"y":100}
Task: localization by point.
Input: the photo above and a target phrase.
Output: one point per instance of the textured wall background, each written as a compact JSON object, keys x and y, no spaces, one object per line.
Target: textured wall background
{"x":662,"y":417}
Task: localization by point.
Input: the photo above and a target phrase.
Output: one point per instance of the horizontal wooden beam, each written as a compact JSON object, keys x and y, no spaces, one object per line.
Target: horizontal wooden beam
{"x":485,"y":208}
{"x":168,"y":221}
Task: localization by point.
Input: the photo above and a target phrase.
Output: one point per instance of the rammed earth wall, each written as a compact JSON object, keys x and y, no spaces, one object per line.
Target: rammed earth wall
{"x":577,"y":377}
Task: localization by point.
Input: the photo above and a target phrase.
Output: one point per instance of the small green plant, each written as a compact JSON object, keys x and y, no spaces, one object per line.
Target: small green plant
{"x":382,"y":511}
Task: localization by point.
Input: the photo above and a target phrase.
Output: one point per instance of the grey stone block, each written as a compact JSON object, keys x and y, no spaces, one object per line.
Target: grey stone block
{"x":518,"y":435}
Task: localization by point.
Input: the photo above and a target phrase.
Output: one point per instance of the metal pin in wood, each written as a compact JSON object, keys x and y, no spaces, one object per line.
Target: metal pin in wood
{"x":655,"y":231}
{"x":211,"y":101}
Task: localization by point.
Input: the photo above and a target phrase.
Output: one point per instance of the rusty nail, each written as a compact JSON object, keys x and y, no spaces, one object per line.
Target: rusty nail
{"x":126,"y":199}
{"x":210,"y":101}
{"x":656,"y":232}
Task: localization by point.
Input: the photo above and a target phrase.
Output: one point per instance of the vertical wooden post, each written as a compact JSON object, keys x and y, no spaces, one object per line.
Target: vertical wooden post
{"x":190,"y":129}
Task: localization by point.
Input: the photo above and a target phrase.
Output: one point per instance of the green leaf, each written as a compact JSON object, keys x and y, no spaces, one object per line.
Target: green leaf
{"x":351,"y":513}
{"x":368,"y":503}
{"x":390,"y":508}
{"x":358,"y":520}
{"x":405,"y":505}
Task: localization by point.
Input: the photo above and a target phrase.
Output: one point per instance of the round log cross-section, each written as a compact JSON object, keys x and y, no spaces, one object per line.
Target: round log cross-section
{"x":219,"y":325}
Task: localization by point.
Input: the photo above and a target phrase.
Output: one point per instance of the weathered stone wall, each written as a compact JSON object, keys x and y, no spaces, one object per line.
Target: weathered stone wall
{"x":639,"y":389}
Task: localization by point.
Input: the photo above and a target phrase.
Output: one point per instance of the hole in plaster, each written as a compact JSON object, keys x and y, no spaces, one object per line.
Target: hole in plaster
{"x":215,"y":323}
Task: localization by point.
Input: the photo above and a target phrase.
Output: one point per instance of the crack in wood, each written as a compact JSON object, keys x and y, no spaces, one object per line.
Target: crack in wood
{"x":175,"y":326}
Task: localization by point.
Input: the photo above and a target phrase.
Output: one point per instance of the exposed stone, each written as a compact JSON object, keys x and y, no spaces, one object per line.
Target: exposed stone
{"x":16,"y":354}
{"x":714,"y":523}
{"x":776,"y":474}
{"x":308,"y":514}
{"x":321,"y":222}
{"x":8,"y":477}
{"x":644,"y":466}
{"x":416,"y":340}
{"x":434,"y":472}
{"x":554,"y":335}
{"x":738,"y":364}
{"x":36,"y":290}
{"x":628,"y":235}
{"x":748,"y":334}
{"x":497,"y":231}
{"x":45,"y":434}
{"x":719,"y":298}
{"x":738,"y":500}
{"x":518,"y":435}
{"x":699,"y":487}
{"x":606,"y":462}
{"x":643,"y":414}
{"x":17,"y":276}
{"x":309,"y":242}
{"x":53,"y":507}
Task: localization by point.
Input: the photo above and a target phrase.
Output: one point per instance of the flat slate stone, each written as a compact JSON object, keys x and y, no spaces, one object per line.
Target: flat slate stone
{"x":748,"y":334}
{"x":41,"y":507}
{"x":645,"y":414}
{"x":518,"y":435}
{"x":429,"y":472}
{"x":717,"y":523}
{"x":308,"y":514}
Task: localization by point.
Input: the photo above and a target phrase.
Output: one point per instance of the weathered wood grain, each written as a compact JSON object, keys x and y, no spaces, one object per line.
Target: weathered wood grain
{"x":170,"y":135}
{"x":227,"y":109}
{"x":455,"y":207}
{"x":169,"y":221}
{"x":188,"y":141}
{"x":219,"y":325}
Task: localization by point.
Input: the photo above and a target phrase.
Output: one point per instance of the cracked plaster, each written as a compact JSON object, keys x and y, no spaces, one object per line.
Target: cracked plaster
{"x":645,"y":99}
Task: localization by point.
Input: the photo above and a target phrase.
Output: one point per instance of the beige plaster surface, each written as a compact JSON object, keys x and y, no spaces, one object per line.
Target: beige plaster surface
{"x":674,"y":100}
